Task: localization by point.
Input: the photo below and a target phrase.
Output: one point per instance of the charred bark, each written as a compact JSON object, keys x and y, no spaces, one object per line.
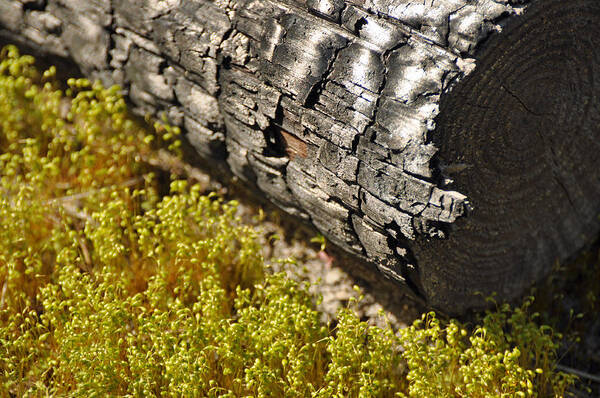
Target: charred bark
{"x":454,"y":144}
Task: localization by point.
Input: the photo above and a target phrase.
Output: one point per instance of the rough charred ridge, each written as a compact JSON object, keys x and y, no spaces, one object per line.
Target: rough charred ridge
{"x":452,"y":143}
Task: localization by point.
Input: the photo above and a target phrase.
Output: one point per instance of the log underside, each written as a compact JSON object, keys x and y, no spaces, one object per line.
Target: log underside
{"x":451,"y":143}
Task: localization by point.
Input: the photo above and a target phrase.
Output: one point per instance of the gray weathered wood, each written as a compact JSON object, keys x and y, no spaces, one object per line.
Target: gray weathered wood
{"x":452,"y":143}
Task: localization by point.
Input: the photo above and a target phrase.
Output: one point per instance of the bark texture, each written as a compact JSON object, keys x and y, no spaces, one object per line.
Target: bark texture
{"x":452,"y":143}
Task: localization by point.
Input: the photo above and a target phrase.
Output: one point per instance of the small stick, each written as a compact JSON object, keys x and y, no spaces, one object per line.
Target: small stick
{"x":579,"y":373}
{"x":171,"y":163}
{"x":86,"y":253}
{"x":81,"y":195}
{"x":72,"y":210}
{"x":3,"y":295}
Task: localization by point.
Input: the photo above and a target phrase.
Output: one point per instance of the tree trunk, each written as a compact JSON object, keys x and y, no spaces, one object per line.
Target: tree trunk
{"x":452,"y":143}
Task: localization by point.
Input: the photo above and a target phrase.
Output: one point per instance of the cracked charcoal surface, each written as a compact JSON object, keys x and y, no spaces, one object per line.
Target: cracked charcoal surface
{"x":428,"y":138}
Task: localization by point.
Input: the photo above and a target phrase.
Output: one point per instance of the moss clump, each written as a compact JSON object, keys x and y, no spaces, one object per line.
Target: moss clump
{"x":507,"y":355}
{"x":107,"y":288}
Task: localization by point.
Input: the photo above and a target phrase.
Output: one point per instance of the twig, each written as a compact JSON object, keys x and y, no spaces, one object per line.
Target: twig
{"x":171,"y":163}
{"x":579,"y":373}
{"x":86,"y":254}
{"x":66,"y":202}
{"x":3,"y":297}
{"x":74,"y":211}
{"x":86,"y":194}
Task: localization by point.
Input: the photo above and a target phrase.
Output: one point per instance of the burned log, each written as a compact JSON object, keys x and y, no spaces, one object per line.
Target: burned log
{"x":452,"y":143}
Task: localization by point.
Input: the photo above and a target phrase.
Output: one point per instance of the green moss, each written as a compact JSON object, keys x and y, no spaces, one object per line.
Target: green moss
{"x":108,"y":289}
{"x":507,"y":355}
